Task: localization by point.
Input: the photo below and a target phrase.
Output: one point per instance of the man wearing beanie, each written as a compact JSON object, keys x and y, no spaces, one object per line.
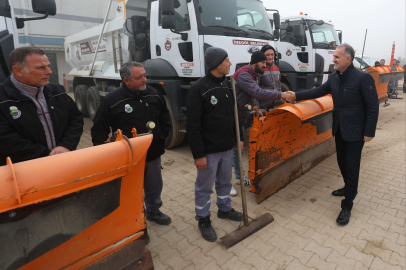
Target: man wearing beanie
{"x":271,"y":79}
{"x":210,"y":129}
{"x":249,"y":92}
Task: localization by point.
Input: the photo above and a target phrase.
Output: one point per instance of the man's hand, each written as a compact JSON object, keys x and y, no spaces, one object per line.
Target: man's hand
{"x":368,"y":139}
{"x":260,"y":114}
{"x":201,"y":163}
{"x":59,"y":150}
{"x":241,"y":145}
{"x":288,"y":96}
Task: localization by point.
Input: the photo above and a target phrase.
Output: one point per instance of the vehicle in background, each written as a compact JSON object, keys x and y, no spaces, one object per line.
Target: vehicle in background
{"x":9,"y":24}
{"x":305,"y":51}
{"x":170,"y":37}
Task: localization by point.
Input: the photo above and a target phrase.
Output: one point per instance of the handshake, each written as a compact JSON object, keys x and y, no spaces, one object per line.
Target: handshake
{"x":288,"y":96}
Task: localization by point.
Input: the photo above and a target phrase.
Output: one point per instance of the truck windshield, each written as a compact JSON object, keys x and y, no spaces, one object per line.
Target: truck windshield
{"x":247,"y":15}
{"x":323,"y":35}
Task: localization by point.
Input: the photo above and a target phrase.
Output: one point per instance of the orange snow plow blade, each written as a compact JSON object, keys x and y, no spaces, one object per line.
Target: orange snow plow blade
{"x":287,"y":142}
{"x":382,"y":76}
{"x":79,"y":210}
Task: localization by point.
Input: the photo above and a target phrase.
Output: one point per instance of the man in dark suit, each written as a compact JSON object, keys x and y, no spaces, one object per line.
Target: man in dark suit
{"x":355,"y":115}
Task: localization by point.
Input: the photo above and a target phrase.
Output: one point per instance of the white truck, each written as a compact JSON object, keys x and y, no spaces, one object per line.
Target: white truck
{"x":305,"y":51}
{"x":170,"y":38}
{"x":9,"y":24}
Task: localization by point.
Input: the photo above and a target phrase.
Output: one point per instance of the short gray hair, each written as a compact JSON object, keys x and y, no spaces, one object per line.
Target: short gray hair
{"x":19,"y":55}
{"x":348,"y":49}
{"x":125,"y":69}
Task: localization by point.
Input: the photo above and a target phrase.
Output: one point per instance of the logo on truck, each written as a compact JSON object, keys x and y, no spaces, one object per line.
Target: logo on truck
{"x":252,"y":49}
{"x":249,"y":42}
{"x":168,"y":44}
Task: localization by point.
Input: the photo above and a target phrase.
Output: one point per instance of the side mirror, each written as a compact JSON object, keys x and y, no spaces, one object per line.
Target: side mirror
{"x":277,"y":20}
{"x":296,"y":31}
{"x":340,"y":37}
{"x":276,"y":34}
{"x":168,"y":21}
{"x":320,"y":22}
{"x":168,"y":7}
{"x":44,"y":7}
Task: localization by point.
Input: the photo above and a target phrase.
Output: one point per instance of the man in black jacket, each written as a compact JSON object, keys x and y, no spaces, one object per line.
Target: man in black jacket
{"x":134,"y":104}
{"x":37,"y":118}
{"x":211,"y":132}
{"x":355,"y":115}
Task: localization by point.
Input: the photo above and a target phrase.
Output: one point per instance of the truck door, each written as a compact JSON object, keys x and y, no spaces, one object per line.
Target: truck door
{"x":297,"y":52}
{"x":165,"y":44}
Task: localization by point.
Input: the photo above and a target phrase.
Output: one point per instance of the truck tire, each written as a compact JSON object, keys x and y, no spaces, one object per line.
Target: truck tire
{"x":175,"y":137}
{"x":80,"y":99}
{"x":285,"y":87}
{"x":93,"y":101}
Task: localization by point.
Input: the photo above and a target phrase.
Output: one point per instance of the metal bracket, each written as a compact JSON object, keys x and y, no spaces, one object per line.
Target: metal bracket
{"x":14,"y":179}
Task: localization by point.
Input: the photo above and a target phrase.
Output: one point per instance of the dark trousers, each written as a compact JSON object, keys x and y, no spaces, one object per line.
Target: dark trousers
{"x":153,"y":185}
{"x":349,"y":161}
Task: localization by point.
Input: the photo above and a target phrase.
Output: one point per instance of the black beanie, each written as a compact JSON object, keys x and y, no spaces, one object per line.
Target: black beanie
{"x":257,"y":57}
{"x":267,"y":47}
{"x":214,"y":57}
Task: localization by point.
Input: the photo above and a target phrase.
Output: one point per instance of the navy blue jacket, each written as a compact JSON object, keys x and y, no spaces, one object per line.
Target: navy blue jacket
{"x":356,"y":105}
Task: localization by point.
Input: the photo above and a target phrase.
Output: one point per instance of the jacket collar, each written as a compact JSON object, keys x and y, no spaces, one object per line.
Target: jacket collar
{"x":133,"y":93}
{"x":215,"y":79}
{"x":346,"y":72}
{"x":12,"y":91}
{"x":253,"y":71}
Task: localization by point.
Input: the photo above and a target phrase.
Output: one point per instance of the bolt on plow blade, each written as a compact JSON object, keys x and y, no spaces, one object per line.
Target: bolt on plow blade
{"x":287,"y":142}
{"x":243,"y":232}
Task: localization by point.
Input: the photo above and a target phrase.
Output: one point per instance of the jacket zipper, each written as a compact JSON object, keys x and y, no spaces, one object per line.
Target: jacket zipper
{"x":46,"y":121}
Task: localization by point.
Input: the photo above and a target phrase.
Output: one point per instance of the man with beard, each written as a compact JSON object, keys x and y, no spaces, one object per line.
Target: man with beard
{"x":248,"y":92}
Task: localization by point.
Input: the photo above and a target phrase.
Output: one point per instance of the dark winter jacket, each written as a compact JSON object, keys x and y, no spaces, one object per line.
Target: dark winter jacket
{"x":271,"y":81}
{"x":22,"y":136}
{"x":356,"y":105}
{"x":210,"y":122}
{"x":248,"y":91}
{"x":125,"y":109}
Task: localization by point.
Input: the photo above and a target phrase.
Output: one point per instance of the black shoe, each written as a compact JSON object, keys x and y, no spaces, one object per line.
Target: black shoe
{"x":344,"y":217}
{"x":207,"y":230}
{"x":231,"y":215}
{"x":159,"y":217}
{"x":339,"y":192}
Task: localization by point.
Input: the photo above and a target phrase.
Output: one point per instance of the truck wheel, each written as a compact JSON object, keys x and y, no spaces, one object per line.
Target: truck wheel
{"x":285,"y":87}
{"x":80,"y":99}
{"x":175,"y":137}
{"x":93,"y":101}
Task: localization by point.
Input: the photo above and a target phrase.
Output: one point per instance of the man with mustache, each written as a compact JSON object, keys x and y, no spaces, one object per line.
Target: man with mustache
{"x":133,"y":105}
{"x":249,"y":92}
{"x":37,"y":118}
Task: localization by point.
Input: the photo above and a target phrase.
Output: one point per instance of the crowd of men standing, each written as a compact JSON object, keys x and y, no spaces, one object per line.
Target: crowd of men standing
{"x":39,"y":119}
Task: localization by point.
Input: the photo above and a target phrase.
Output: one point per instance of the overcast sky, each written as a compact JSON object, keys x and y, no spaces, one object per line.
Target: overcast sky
{"x":385,"y":21}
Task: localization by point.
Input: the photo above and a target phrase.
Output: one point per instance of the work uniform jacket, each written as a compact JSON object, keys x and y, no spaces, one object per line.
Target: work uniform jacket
{"x":356,"y":105}
{"x":271,"y":81}
{"x":210,"y":120}
{"x":125,"y":109}
{"x":22,"y":136}
{"x":248,"y":91}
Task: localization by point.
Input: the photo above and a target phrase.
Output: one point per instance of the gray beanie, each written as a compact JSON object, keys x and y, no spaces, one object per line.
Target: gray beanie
{"x":214,"y":57}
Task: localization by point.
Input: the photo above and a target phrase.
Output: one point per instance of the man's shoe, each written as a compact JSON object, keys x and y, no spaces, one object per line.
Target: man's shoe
{"x":247,"y":181}
{"x":344,"y":217}
{"x":207,"y":230}
{"x":233,"y":192}
{"x":339,"y":192}
{"x":159,"y":217}
{"x":238,"y":181}
{"x":231,"y":215}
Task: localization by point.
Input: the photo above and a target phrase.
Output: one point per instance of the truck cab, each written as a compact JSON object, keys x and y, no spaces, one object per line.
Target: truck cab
{"x":170,"y":38}
{"x":306,"y":48}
